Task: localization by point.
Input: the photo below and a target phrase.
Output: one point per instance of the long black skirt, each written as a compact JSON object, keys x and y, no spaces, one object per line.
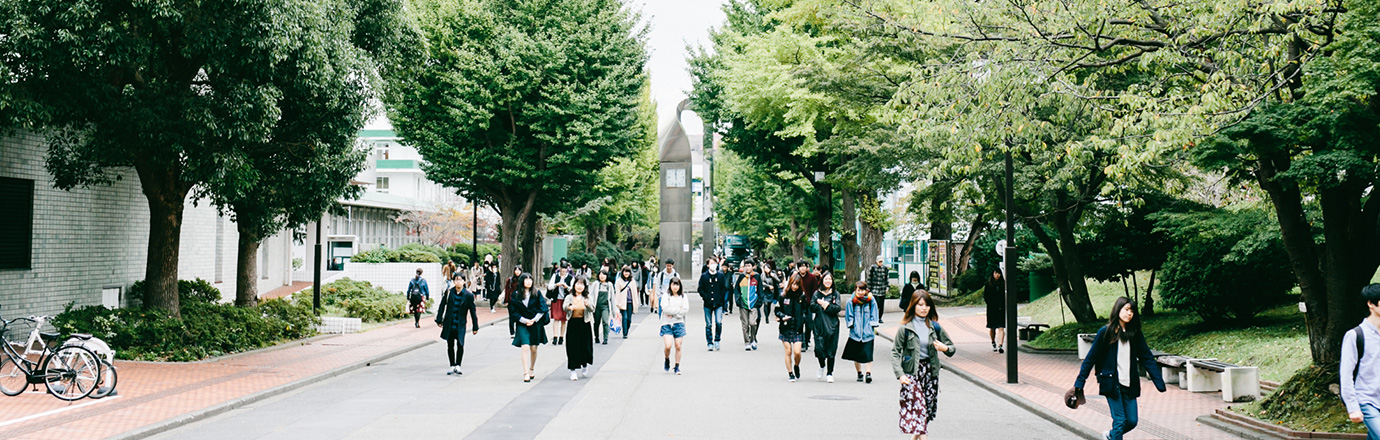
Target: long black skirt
{"x":857,"y":351}
{"x":579,"y":343}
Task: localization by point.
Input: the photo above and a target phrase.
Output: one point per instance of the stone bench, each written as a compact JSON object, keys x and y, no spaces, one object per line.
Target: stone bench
{"x":1172,"y":368}
{"x":1028,"y":332}
{"x":1237,"y":383}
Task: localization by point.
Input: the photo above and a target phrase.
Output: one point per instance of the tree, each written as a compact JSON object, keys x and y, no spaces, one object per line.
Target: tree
{"x":761,"y":204}
{"x":628,"y":189}
{"x":1124,"y":239}
{"x":1227,"y":263}
{"x":519,"y":104}
{"x":173,"y":89}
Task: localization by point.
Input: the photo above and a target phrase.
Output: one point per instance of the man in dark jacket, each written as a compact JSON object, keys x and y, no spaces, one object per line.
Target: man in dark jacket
{"x":711,"y":291}
{"x":727,"y":287}
{"x":879,"y":282}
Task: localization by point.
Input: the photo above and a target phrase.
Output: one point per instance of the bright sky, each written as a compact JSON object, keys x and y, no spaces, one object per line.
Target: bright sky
{"x":674,"y":24}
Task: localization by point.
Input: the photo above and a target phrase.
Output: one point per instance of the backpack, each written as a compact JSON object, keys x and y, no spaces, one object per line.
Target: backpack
{"x":414,"y":292}
{"x":1360,"y":350}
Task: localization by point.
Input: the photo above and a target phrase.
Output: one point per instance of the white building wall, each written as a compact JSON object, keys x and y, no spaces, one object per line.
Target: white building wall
{"x":93,"y":238}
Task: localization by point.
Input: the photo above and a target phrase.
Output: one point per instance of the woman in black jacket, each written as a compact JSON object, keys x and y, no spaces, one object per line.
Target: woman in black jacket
{"x":791,"y":323}
{"x":825,"y":322}
{"x":530,"y":311}
{"x":451,"y":317}
{"x":1119,"y":352}
{"x":908,"y":290}
{"x":994,"y":293}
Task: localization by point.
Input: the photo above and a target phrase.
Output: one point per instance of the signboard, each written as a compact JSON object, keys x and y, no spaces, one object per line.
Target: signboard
{"x":939,"y":259}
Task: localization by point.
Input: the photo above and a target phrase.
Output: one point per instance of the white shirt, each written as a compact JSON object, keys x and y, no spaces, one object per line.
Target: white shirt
{"x":1123,"y":362}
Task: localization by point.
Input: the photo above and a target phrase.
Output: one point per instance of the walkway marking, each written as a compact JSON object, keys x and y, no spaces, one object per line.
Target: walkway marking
{"x":49,"y":413}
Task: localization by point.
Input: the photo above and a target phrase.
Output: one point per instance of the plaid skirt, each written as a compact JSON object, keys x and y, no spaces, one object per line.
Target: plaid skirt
{"x":919,"y":400}
{"x":791,"y":337}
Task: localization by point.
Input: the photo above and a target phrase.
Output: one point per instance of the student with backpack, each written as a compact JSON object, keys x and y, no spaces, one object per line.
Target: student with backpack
{"x":915,"y":360}
{"x":1360,"y":366}
{"x":417,"y":297}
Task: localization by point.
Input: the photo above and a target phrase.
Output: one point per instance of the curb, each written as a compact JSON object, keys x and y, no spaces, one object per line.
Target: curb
{"x":196,"y":416}
{"x":1236,"y":430}
{"x":1042,"y":412}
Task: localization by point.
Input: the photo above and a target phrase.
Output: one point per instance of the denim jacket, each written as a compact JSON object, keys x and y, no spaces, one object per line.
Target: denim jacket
{"x":861,"y":320}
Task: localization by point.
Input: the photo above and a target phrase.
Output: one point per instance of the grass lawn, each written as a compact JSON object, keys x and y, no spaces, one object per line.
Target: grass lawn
{"x":1276,"y":342}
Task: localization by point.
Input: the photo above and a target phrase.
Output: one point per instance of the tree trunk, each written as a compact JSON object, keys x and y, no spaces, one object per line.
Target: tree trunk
{"x":798,"y":235}
{"x":512,"y":213}
{"x":1078,"y":300}
{"x":940,"y":227}
{"x":1148,"y":309}
{"x":593,"y":236}
{"x":978,"y":227}
{"x":165,"y":194}
{"x":824,"y":217}
{"x":1082,"y":310}
{"x":871,"y":240}
{"x":531,"y":244}
{"x":247,"y":270}
{"x":852,"y":261}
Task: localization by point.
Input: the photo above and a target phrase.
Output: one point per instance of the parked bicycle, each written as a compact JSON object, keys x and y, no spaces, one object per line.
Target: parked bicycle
{"x":71,"y":372}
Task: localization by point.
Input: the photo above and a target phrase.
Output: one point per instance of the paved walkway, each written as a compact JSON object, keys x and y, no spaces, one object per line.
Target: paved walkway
{"x":154,"y":392}
{"x":1045,"y":377}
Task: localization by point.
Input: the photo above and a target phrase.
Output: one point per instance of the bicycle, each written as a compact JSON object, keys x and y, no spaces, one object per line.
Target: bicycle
{"x":71,"y":372}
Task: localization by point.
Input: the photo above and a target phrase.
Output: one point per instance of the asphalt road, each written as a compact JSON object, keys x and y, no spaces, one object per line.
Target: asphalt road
{"x":725,"y":394}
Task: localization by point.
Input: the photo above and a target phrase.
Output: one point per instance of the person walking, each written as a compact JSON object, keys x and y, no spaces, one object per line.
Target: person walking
{"x":530,"y":311}
{"x":457,"y":309}
{"x":730,"y":291}
{"x":908,"y":290}
{"x":879,"y":282}
{"x":674,"y":307}
{"x":491,"y":282}
{"x":825,"y":309}
{"x":994,"y":293}
{"x":861,"y":318}
{"x":626,"y":298}
{"x":513,"y":284}
{"x":604,"y":306}
{"x":810,"y":283}
{"x":417,"y":297}
{"x":476,"y":281}
{"x":771,"y":291}
{"x":791,"y":325}
{"x":448,"y":272}
{"x":709,"y":289}
{"x":556,"y":291}
{"x":1360,"y":370}
{"x":663,"y":281}
{"x":579,"y":312}
{"x":1119,"y":352}
{"x":915,"y":360}
{"x":745,"y":287}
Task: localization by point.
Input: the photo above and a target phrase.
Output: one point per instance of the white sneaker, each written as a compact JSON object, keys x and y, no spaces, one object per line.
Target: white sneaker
{"x":829,"y":378}
{"x":820,"y":373}
{"x":572,"y":375}
{"x":584,"y":371}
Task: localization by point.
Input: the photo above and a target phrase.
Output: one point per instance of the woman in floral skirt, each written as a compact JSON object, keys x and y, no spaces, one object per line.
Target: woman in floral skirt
{"x":915,"y":360}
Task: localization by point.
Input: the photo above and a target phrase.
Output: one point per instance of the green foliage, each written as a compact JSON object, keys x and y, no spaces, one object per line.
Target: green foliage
{"x":604,"y":250}
{"x":1124,"y":238}
{"x":985,"y":260}
{"x":207,"y":329}
{"x":1228,"y":263}
{"x":188,"y":290}
{"x":1306,"y":403}
{"x":357,"y":299}
{"x":408,"y":253}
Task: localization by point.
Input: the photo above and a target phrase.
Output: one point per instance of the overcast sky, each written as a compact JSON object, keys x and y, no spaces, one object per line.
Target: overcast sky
{"x":673,"y":23}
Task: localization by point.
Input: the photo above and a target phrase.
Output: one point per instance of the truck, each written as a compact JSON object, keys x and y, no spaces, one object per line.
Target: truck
{"x":736,"y":249}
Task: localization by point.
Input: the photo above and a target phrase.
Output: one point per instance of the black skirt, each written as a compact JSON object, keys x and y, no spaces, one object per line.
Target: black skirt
{"x":579,"y":344}
{"x":996,"y":317}
{"x":857,"y":351}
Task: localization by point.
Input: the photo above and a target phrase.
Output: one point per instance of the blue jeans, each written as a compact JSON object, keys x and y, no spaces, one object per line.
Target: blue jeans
{"x":627,"y":320}
{"x":1124,"y":417}
{"x":1370,"y":415}
{"x":713,"y":324}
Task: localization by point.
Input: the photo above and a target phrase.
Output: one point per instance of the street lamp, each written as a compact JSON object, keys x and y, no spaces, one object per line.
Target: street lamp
{"x":1011,"y":375}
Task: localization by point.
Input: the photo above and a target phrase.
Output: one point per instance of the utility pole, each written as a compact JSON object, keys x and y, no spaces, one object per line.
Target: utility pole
{"x":1009,"y":268}
{"x":316,"y":272}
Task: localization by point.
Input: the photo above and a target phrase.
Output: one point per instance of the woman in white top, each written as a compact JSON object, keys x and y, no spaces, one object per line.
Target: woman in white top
{"x":673,"y":311}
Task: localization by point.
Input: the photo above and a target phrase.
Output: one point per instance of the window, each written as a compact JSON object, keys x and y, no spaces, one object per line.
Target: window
{"x":381,"y":184}
{"x":16,"y":223}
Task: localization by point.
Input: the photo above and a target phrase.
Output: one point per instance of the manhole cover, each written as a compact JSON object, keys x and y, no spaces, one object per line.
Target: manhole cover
{"x":834,"y":398}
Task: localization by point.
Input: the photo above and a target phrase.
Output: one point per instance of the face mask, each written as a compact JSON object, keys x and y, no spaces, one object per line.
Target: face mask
{"x":713,"y":267}
{"x":915,"y":283}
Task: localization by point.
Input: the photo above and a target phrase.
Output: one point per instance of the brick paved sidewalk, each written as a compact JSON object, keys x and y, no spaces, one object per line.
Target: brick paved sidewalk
{"x":154,"y":392}
{"x":1045,"y":377}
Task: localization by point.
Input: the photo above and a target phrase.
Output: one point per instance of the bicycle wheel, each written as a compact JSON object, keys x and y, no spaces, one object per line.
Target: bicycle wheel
{"x":71,"y":373}
{"x":13,"y":380}
{"x":106,"y":385}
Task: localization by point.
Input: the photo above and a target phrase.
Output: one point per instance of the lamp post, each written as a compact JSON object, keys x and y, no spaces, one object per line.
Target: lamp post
{"x":474,"y":231}
{"x":316,"y":272}
{"x":1008,"y":268}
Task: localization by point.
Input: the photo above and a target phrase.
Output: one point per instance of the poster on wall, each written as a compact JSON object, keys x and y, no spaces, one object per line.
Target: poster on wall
{"x":938,"y":259}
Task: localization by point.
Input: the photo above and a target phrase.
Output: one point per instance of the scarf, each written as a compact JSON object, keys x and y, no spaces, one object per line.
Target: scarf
{"x":863,"y":299}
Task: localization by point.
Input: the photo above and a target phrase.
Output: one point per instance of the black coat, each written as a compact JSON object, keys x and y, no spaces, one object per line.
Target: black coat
{"x":825,"y":320}
{"x":794,"y":308}
{"x":451,"y":314}
{"x":908,"y":294}
{"x":520,"y":310}
{"x":1103,"y":356}
{"x":711,"y":289}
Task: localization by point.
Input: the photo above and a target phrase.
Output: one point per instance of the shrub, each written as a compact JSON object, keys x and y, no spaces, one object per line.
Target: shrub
{"x":416,"y":256}
{"x":358,"y":299}
{"x":206,"y":329}
{"x":411,"y":253}
{"x":187,"y":291}
{"x":1229,"y":263}
{"x":379,"y":254}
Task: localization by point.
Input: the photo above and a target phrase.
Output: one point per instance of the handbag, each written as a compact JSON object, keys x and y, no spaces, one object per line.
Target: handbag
{"x":614,"y":325}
